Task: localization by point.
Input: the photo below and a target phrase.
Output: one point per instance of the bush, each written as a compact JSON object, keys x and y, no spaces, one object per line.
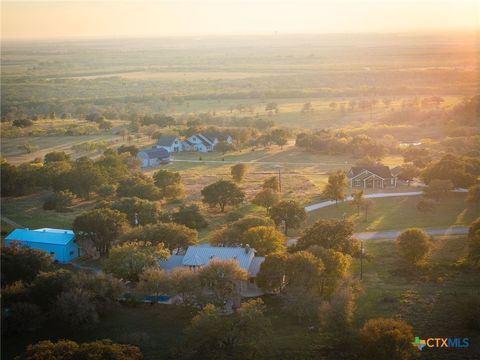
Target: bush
{"x":190,"y":216}
{"x":106,"y":190}
{"x":76,"y":308}
{"x":233,"y":216}
{"x":386,"y":339}
{"x":70,"y":350}
{"x":22,"y":317}
{"x":23,"y":263}
{"x":414,"y":245}
{"x":22,"y":123}
{"x":59,"y":201}
{"x":238,"y":171}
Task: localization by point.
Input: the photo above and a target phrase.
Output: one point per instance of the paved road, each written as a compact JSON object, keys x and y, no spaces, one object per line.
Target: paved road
{"x":371,"y":196}
{"x":368,"y":196}
{"x":257,"y":162}
{"x":393,"y":234}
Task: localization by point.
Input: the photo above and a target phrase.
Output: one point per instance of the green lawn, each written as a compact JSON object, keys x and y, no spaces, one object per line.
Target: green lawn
{"x":400,"y":212}
{"x":432,"y":300}
{"x":27,"y":211}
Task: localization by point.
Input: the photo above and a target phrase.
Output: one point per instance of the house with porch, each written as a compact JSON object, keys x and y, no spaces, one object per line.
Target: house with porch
{"x":200,"y":255}
{"x":198,"y":143}
{"x":170,"y":143}
{"x":59,"y":243}
{"x":371,"y":177}
{"x":205,"y":142}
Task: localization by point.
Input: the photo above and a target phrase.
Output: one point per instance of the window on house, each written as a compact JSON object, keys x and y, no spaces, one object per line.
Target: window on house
{"x":52,"y":253}
{"x":72,"y":252}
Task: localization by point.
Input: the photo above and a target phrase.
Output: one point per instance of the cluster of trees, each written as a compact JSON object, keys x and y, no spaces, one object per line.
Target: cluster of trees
{"x":258,"y":232}
{"x":34,"y":291}
{"x":242,"y":335}
{"x":71,"y":350}
{"x":326,"y":141}
{"x":115,"y":171}
{"x":313,"y":269}
{"x":129,"y":219}
{"x":462,"y":172}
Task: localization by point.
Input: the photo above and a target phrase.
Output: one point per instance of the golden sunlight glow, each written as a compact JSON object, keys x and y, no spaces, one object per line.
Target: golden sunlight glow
{"x":37,"y":19}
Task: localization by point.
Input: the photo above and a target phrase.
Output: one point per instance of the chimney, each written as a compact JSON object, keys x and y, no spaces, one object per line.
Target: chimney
{"x":247,"y":249}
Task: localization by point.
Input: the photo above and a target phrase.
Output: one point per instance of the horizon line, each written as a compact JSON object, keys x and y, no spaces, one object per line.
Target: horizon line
{"x":422,"y":31}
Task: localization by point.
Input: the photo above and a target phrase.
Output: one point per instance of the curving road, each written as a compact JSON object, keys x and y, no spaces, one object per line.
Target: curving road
{"x":393,"y":234}
{"x":323,"y":204}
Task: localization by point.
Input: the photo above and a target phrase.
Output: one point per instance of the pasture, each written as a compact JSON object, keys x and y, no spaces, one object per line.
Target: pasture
{"x":433,"y":299}
{"x":400,"y":212}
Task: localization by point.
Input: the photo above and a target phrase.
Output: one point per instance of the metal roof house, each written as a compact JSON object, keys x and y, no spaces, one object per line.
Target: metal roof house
{"x":153,"y":156}
{"x":200,"y":255}
{"x":59,"y":243}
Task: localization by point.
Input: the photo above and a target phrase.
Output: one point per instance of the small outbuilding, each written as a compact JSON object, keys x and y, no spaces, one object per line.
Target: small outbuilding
{"x":59,"y":243}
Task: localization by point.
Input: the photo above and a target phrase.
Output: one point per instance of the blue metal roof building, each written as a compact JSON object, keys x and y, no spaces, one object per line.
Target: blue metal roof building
{"x":57,"y":242}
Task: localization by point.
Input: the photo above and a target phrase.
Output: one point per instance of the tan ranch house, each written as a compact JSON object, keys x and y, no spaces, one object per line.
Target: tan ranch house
{"x":372,"y":177}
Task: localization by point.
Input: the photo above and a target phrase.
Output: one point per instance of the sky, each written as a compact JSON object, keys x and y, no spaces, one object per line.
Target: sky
{"x":74,"y":19}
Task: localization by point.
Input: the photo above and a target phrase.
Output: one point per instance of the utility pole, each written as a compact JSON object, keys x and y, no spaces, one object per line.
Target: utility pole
{"x":279,"y":179}
{"x":279,"y":167}
{"x":362,"y":250}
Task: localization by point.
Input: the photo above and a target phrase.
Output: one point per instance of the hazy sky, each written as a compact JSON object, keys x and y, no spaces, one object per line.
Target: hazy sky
{"x":56,"y":19}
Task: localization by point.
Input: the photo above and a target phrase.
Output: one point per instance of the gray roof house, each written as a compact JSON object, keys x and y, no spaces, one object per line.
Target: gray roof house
{"x":200,"y":255}
{"x":169,"y":143}
{"x":216,"y":137}
{"x":375,"y":177}
{"x":153,"y":156}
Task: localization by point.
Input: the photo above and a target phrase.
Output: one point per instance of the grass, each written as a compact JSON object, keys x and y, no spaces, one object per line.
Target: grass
{"x":431,"y":299}
{"x":303,"y":174}
{"x":27,"y":211}
{"x":400,"y":212}
{"x":154,"y":328}
{"x":45,"y":144}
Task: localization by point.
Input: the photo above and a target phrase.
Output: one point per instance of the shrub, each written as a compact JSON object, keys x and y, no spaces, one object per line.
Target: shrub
{"x":22,"y":123}
{"x":414,"y":245}
{"x":59,"y":201}
{"x":386,"y":339}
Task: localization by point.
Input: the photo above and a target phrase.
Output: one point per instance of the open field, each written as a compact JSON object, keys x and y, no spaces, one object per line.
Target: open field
{"x":27,"y":211}
{"x":71,"y":144}
{"x":303,"y":174}
{"x":180,"y":75}
{"x":400,"y":212}
{"x":432,"y":300}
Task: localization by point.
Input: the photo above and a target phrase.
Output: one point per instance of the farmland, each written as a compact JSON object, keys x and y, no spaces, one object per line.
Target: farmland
{"x":301,"y":111}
